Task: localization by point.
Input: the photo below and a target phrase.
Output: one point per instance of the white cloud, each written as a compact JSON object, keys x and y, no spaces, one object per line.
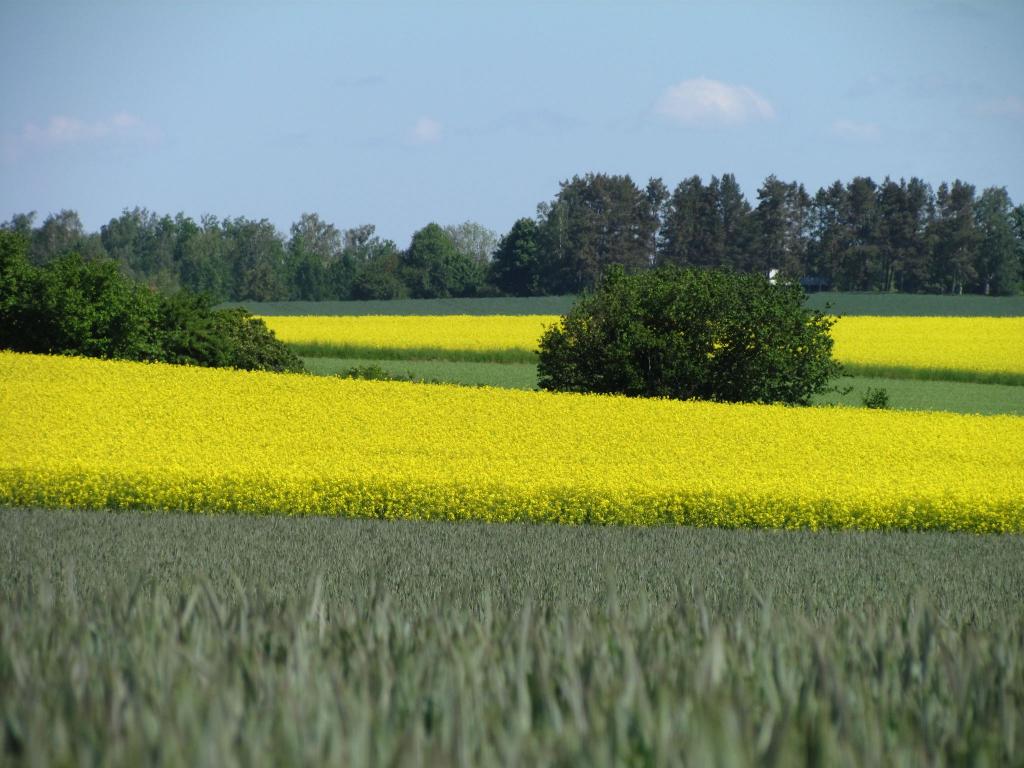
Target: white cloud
{"x":702,"y":101}
{"x":426,"y":131}
{"x":856,"y":131}
{"x":61,"y":129}
{"x":1011,"y":106}
{"x":67,"y":131}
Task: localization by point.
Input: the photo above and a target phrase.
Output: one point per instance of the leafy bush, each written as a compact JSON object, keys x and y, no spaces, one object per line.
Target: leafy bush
{"x":89,"y":308}
{"x":252,"y":345}
{"x":689,"y":333}
{"x":375,"y":372}
{"x":75,"y":307}
{"x":876,"y":398}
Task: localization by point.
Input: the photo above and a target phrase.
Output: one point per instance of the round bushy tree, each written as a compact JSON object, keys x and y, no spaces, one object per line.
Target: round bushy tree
{"x":691,"y":333}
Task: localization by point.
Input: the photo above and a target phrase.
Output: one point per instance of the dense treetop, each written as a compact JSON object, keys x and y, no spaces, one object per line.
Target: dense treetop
{"x":862,"y":235}
{"x":74,"y":306}
{"x":707,"y":334}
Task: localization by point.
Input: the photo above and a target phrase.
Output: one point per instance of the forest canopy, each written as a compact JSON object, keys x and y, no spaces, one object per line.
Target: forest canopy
{"x":861,"y":235}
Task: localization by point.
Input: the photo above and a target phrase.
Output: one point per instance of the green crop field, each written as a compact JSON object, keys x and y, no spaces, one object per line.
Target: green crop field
{"x":907,"y":304}
{"x":470,"y":374}
{"x":904,"y":394}
{"x":905,"y":372}
{"x":923,"y":395}
{"x":434,"y":353}
{"x":134,"y":638}
{"x":885,"y":304}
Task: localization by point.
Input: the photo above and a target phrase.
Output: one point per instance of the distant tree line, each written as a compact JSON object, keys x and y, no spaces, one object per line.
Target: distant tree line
{"x":859,"y":236}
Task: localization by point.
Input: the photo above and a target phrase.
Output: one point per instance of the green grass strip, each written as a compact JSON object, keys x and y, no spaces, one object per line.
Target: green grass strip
{"x":921,"y":395}
{"x":529,"y":356}
{"x":466,"y":373}
{"x":414,"y":353}
{"x":934,"y":374}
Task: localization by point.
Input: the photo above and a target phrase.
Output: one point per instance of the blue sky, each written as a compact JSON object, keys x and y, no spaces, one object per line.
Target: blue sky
{"x":402,"y":113}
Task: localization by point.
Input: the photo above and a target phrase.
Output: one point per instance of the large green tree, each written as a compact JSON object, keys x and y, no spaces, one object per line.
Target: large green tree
{"x":782,"y":222}
{"x":707,"y":225}
{"x":955,"y":238}
{"x":596,"y":221}
{"x":432,"y":267}
{"x":904,"y":211}
{"x":861,"y":265}
{"x":60,"y":234}
{"x":255,"y":252}
{"x":735,"y":223}
{"x":688,"y":234}
{"x":998,"y":259}
{"x":518,"y":268}
{"x":371,"y":265}
{"x":690,"y":333}
{"x":147,"y":246}
{"x":313,"y":248}
{"x":829,"y":234}
{"x":473,"y":240}
{"x":203,"y":259}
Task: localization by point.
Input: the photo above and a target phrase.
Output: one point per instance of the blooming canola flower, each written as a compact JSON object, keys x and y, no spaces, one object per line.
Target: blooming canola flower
{"x":979,"y":345}
{"x":110,"y":434}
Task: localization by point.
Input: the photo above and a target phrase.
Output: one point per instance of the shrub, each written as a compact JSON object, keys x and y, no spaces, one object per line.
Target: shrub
{"x":89,"y":308}
{"x":78,"y":307}
{"x":689,"y":333}
{"x":876,"y":398}
{"x":253,"y":346}
{"x":374,"y":372}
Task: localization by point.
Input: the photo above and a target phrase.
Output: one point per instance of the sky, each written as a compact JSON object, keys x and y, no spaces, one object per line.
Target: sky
{"x":399,"y":113}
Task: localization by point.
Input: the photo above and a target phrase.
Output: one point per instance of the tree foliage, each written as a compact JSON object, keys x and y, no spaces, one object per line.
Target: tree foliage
{"x":434,"y":267}
{"x":690,"y":333}
{"x":89,"y":308}
{"x":861,"y":235}
{"x":596,"y":221}
{"x":517,"y":268}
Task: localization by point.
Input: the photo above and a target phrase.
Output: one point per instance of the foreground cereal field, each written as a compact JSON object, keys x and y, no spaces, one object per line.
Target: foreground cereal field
{"x":960,"y":348}
{"x":141,"y":639}
{"x":100,"y":434}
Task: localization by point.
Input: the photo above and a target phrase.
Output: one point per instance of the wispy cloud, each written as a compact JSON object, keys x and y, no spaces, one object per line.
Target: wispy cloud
{"x":854,"y":130}
{"x":62,"y":129}
{"x":1010,"y":106}
{"x":66,"y":131}
{"x":427,"y":130}
{"x":702,"y":101}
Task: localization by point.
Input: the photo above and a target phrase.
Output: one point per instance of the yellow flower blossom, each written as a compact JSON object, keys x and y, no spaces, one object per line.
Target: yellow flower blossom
{"x":106,"y":434}
{"x":975,"y":347}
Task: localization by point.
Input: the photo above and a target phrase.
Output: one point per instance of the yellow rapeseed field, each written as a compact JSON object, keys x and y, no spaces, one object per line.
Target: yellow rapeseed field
{"x":91,"y":433}
{"x":985,"y":345}
{"x":990,"y":345}
{"x":407,"y":333}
